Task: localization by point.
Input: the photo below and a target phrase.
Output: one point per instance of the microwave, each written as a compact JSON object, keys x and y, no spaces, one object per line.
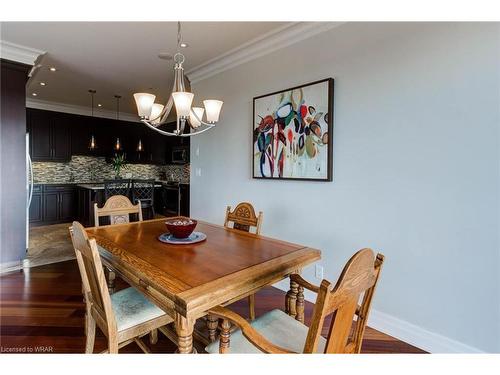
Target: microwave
{"x":180,"y":155}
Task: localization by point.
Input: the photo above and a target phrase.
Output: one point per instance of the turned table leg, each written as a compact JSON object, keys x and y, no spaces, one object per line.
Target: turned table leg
{"x":225,"y":335}
{"x":184,"y":328}
{"x":300,"y":304}
{"x":291,"y":299}
{"x":212,"y":323}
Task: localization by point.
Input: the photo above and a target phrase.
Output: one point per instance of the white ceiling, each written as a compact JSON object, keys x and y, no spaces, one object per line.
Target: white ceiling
{"x":120,"y":57}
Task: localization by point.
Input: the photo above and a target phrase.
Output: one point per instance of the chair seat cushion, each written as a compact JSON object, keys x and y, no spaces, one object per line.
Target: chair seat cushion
{"x":277,"y":327}
{"x":132,"y":308}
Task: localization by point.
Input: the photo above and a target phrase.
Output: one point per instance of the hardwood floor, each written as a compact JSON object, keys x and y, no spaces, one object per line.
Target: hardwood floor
{"x":41,"y":310}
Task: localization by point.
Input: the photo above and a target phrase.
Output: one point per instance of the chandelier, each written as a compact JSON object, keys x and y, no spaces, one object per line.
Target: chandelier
{"x":154,"y":114}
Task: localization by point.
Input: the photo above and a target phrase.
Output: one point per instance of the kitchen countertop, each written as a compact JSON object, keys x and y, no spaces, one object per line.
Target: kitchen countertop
{"x":99,"y":185}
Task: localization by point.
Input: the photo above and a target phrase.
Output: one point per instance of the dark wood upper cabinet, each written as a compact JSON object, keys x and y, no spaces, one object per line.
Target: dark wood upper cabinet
{"x":39,"y":128}
{"x":61,"y":137}
{"x":49,"y":135}
{"x":56,"y":136}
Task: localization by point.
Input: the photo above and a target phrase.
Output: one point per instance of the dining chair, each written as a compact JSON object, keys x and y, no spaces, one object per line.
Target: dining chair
{"x":117,"y":187}
{"x":244,"y":218}
{"x":143,"y":192}
{"x":118,"y":208}
{"x":123,"y":317}
{"x":277,"y":332}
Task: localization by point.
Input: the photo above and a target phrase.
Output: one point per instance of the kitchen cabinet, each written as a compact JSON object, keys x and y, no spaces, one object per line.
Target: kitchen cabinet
{"x":35,"y":212}
{"x":56,"y":136}
{"x":49,"y":135}
{"x":82,"y":129}
{"x":61,"y":137}
{"x":40,"y":134}
{"x":53,"y":204}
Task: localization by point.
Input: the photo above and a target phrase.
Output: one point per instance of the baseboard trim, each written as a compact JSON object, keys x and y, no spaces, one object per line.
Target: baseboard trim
{"x":410,"y":333}
{"x":10,"y":266}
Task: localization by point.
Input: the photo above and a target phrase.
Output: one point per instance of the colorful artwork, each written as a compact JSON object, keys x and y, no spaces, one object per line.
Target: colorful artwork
{"x":293,"y":133}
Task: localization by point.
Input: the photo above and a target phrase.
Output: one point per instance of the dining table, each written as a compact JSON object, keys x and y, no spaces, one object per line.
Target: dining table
{"x":187,"y":280}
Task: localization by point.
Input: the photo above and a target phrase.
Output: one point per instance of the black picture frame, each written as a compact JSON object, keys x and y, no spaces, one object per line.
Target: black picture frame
{"x":329,"y":177}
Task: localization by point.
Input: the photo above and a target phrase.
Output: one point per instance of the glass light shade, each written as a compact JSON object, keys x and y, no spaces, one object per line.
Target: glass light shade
{"x":183,"y":101}
{"x":194,"y":121}
{"x":155,"y":112}
{"x":144,"y":102}
{"x":212,"y":108}
{"x":92,"y":144}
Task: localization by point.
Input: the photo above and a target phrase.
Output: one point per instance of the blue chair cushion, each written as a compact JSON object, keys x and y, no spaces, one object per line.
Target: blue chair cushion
{"x":277,"y":327}
{"x":132,"y":308}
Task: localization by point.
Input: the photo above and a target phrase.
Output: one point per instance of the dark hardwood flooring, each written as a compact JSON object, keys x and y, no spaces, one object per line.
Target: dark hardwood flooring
{"x":41,"y":310}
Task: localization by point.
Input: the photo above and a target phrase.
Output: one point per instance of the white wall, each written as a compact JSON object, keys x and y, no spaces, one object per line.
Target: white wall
{"x":416,"y":169}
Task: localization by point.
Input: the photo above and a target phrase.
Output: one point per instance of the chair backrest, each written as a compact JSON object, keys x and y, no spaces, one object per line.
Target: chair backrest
{"x":243,"y":217}
{"x":143,"y":190}
{"x":118,"y":208}
{"x":93,"y":279}
{"x":117,"y":187}
{"x":358,"y":280}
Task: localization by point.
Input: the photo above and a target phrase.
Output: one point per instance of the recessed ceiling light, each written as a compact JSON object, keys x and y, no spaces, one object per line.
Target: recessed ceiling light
{"x":52,"y":69}
{"x":34,"y":94}
{"x":99,"y":105}
{"x":43,"y":84}
{"x":184,"y":45}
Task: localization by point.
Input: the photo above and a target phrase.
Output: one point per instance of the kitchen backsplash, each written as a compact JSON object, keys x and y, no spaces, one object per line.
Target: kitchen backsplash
{"x":88,"y":169}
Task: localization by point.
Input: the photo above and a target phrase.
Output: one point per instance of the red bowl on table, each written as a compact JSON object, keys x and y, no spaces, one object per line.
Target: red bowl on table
{"x":181,"y":226}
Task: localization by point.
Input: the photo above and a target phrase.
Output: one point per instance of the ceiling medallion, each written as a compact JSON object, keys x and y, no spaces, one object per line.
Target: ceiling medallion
{"x":153,"y":114}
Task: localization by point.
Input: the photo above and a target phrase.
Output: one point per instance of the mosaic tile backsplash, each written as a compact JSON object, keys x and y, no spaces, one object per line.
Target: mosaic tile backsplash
{"x":88,"y":169}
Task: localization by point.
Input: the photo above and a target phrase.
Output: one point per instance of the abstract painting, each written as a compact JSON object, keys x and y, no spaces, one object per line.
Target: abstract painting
{"x":293,"y":133}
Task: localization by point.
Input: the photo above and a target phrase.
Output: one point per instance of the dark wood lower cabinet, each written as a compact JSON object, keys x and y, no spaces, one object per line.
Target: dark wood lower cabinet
{"x":67,"y":205}
{"x":36,"y":213}
{"x":52,"y":204}
{"x":50,"y":207}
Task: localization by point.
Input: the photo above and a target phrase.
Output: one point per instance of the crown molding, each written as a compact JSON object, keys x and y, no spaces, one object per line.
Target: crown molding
{"x":272,"y":41}
{"x":19,"y":53}
{"x":78,"y":110}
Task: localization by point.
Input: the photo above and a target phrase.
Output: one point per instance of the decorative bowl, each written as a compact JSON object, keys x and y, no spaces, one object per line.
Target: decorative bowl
{"x":181,"y":226}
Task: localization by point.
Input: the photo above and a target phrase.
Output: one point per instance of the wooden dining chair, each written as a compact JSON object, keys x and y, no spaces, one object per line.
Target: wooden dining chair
{"x":277,"y":332}
{"x":123,"y":317}
{"x":118,"y":208}
{"x":244,"y":218}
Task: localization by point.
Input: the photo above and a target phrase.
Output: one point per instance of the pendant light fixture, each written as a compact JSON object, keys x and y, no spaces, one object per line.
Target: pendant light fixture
{"x":92,"y":143}
{"x":153,"y":115}
{"x":118,"y":146}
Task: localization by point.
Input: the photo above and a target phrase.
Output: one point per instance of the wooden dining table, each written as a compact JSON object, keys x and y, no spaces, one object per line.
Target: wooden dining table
{"x":187,"y":280}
